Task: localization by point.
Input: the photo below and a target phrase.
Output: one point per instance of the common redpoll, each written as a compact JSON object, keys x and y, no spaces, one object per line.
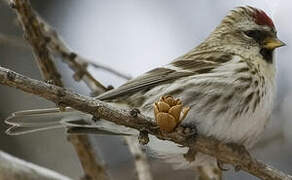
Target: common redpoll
{"x":228,"y":81}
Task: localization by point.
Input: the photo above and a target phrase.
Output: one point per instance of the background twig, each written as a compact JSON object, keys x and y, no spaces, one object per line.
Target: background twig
{"x":58,"y":46}
{"x":141,"y":162}
{"x":76,"y":62}
{"x":12,"y":168}
{"x":93,"y":166}
{"x":37,"y":41}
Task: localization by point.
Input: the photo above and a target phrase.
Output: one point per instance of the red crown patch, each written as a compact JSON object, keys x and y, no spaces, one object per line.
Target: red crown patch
{"x":261,"y":18}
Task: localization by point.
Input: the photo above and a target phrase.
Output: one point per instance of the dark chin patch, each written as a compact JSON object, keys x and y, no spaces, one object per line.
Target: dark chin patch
{"x":267,"y":55}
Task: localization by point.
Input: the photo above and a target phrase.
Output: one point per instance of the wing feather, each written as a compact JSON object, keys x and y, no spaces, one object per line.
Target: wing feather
{"x":147,"y":80}
{"x":182,"y":67}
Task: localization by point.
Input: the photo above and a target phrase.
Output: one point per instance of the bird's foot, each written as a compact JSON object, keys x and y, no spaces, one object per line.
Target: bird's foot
{"x":188,"y":130}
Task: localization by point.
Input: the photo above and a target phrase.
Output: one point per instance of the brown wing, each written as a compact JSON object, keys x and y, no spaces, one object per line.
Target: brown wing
{"x":147,"y":80}
{"x":184,"y":67}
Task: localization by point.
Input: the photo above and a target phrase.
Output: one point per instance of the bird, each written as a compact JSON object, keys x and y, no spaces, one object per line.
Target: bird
{"x":228,"y":82}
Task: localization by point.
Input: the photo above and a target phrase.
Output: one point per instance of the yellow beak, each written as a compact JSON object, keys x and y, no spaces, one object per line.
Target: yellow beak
{"x":272,"y":43}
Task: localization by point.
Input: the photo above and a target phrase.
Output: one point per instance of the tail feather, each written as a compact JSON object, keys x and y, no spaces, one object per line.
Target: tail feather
{"x":19,"y":130}
{"x":23,"y":122}
{"x":34,"y":117}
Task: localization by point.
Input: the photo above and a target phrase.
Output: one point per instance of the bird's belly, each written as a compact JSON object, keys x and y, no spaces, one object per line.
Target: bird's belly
{"x":244,"y":129}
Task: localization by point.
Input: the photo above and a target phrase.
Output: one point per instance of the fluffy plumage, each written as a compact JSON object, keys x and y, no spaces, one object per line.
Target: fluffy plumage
{"x":228,"y":81}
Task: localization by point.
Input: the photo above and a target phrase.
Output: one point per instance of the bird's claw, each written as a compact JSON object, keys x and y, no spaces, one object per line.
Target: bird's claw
{"x":188,"y":130}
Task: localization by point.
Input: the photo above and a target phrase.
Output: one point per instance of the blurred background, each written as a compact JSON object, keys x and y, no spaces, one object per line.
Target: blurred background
{"x":133,"y":36}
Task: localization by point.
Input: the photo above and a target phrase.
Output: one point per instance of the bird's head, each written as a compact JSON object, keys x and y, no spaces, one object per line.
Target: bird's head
{"x":247,"y":31}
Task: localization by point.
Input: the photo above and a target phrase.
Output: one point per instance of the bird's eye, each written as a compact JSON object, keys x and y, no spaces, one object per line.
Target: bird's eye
{"x":256,"y":35}
{"x":253,"y":34}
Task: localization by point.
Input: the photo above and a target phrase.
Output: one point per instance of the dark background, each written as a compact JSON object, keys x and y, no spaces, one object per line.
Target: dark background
{"x":132,"y":36}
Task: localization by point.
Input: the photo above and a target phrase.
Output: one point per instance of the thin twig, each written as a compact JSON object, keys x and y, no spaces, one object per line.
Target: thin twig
{"x":58,"y":46}
{"x":12,"y":168}
{"x":141,"y":162}
{"x":223,"y":152}
{"x":111,"y":70}
{"x":37,"y":41}
{"x":92,"y":165}
{"x":77,"y":62}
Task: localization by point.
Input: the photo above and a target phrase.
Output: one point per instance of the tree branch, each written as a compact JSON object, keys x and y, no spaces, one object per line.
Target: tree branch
{"x":76,"y":62}
{"x":37,"y":41}
{"x":142,"y":166}
{"x":58,"y":46}
{"x":91,"y":163}
{"x":12,"y":168}
{"x":223,"y":152}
